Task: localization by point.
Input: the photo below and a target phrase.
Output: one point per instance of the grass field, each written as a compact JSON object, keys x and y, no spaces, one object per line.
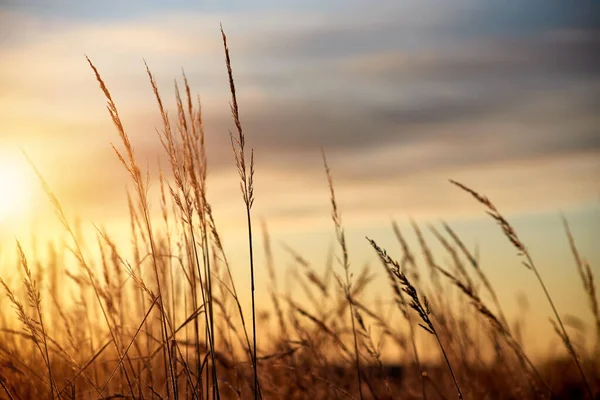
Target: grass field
{"x":160,"y":316}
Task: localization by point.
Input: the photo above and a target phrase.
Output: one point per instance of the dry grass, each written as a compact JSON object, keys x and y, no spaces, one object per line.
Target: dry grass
{"x":167,"y":322}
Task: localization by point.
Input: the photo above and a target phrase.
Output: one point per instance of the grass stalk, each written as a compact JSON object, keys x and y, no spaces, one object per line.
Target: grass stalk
{"x":247,"y":187}
{"x":511,"y":234}
{"x":346,"y":286}
{"x":422,"y":308}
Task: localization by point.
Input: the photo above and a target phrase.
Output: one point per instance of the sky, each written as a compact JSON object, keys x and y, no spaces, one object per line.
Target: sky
{"x":401,"y":96}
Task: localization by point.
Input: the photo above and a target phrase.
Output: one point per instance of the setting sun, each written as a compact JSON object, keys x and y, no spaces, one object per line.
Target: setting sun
{"x":15,"y":188}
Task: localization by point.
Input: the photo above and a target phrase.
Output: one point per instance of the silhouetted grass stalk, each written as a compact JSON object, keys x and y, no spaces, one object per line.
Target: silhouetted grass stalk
{"x":510,"y":233}
{"x":587,"y":280}
{"x":421,"y":308}
{"x":141,"y":185}
{"x":247,"y":187}
{"x":346,"y":286}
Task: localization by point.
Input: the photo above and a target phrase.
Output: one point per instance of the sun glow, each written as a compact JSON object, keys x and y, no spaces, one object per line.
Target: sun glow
{"x":15,"y":188}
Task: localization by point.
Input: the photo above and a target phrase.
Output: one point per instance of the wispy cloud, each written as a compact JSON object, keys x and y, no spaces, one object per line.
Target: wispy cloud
{"x":397,"y":95}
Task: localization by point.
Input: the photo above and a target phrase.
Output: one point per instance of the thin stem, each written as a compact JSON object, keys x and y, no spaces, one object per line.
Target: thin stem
{"x":209,"y":333}
{"x":416,"y":354}
{"x":164,"y":331}
{"x":52,"y":383}
{"x":6,"y":390}
{"x":460,"y":396}
{"x":357,"y":360}
{"x":341,"y":237}
{"x":566,"y":338}
{"x":511,"y":234}
{"x":254,"y":361}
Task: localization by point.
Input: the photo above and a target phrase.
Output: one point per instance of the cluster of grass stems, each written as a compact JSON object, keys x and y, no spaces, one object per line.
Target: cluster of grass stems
{"x":168,"y":322}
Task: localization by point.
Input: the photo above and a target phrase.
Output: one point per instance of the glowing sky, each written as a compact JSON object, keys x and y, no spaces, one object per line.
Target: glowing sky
{"x":401,"y":95}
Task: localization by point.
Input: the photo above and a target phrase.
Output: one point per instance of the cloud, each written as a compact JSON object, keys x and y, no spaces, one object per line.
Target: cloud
{"x":387,"y":92}
{"x":552,"y":53}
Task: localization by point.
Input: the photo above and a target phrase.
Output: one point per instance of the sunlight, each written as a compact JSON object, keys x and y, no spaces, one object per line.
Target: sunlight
{"x":15,"y":187}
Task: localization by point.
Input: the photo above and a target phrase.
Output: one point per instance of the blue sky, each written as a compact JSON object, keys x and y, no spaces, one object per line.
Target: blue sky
{"x":528,"y":13}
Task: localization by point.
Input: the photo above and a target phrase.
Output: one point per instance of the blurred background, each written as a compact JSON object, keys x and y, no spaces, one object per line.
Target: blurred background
{"x":401,"y":96}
